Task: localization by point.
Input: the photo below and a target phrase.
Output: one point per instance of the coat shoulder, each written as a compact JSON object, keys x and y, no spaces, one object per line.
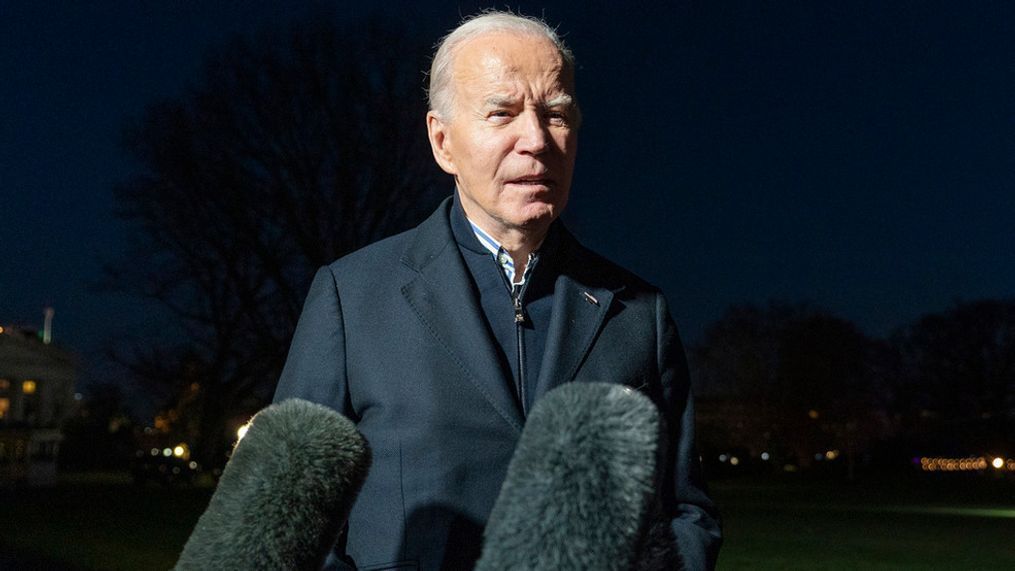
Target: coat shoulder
{"x":385,"y":258}
{"x":381,"y":257}
{"x":593,"y":267}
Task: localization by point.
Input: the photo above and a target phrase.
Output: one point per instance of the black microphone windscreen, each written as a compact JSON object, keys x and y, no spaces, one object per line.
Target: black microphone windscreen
{"x":580,"y":487}
{"x":284,"y":494}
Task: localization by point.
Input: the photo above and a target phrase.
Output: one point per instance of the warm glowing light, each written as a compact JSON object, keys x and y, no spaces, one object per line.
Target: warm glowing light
{"x":813,"y":414}
{"x":182,"y":451}
{"x":832,"y":454}
{"x":192,"y":465}
{"x":967,"y":464}
{"x":734,"y":461}
{"x":167,"y":452}
{"x":28,"y":387}
{"x":5,"y":405}
{"x":241,"y":432}
{"x":4,"y":384}
{"x":998,"y":463}
{"x":1,"y":329}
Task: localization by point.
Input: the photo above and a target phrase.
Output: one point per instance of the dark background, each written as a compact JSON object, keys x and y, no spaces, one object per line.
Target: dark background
{"x":854,"y":162}
{"x":859,"y":157}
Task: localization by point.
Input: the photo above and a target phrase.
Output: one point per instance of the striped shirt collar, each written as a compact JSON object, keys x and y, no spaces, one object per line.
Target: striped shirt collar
{"x":502,"y":256}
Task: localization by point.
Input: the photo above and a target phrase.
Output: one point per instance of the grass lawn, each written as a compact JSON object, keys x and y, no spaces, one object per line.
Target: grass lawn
{"x":908,"y":523}
{"x":912,"y":523}
{"x":99,"y":523}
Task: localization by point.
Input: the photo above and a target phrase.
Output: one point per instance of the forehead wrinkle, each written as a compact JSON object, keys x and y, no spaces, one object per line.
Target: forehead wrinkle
{"x":489,"y":74}
{"x":499,"y":63}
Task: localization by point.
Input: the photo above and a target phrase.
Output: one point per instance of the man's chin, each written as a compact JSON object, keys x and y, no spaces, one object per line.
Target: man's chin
{"x":536,"y":219}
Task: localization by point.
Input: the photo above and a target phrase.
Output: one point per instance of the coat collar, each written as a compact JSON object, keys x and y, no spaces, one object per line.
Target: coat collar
{"x":582,"y":299}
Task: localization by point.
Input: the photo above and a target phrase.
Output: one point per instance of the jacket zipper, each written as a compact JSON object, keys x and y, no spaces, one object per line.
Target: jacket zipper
{"x":516,"y":298}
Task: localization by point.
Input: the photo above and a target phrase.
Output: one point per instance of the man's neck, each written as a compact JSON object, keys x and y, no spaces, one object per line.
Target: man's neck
{"x":519,"y":245}
{"x":518,"y":242}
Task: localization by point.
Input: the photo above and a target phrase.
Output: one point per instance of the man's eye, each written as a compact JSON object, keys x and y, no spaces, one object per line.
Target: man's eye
{"x":500,"y":113}
{"x":557,"y":117}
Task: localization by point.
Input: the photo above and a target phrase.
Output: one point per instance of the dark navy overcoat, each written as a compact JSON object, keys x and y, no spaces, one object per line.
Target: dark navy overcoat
{"x":393,"y":337}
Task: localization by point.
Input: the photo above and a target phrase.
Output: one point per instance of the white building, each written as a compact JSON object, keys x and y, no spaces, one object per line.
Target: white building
{"x":36,"y":397}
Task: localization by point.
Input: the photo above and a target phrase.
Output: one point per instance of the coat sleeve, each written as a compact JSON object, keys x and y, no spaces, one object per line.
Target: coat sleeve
{"x":694,"y":517}
{"x":315,"y":369}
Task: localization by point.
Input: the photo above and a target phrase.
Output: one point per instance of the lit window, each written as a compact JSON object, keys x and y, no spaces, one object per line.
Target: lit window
{"x":28,"y":387}
{"x":5,"y":405}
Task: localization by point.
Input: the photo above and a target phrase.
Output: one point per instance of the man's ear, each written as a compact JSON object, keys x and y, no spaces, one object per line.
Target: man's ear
{"x":437,"y":131}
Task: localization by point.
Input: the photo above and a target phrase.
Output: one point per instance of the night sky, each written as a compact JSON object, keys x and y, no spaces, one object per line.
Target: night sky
{"x":860,"y":157}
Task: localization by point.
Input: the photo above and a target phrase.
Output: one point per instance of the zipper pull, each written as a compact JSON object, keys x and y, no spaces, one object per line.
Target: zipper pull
{"x":519,"y":312}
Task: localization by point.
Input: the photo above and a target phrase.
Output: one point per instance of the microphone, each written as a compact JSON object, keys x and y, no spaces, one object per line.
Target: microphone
{"x":285,"y":493}
{"x":580,"y":491}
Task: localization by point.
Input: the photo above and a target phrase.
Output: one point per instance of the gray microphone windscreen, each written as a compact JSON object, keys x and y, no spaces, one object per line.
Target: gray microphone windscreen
{"x":580,"y":487}
{"x":284,"y":494}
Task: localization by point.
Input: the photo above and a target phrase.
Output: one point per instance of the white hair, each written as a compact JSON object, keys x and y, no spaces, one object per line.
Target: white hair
{"x":441,"y":93}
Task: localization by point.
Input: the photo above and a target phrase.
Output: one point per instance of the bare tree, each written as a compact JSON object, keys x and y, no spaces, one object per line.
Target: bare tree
{"x":294,"y":147}
{"x":958,"y":383}
{"x":791,"y":379}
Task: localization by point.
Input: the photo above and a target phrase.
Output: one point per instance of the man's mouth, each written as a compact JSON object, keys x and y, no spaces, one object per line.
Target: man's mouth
{"x":533,"y":180}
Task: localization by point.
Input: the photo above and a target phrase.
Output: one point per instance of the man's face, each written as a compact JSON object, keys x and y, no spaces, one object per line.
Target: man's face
{"x":511,"y":140}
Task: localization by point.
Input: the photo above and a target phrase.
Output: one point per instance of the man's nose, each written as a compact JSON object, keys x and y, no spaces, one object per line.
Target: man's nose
{"x":534,"y":137}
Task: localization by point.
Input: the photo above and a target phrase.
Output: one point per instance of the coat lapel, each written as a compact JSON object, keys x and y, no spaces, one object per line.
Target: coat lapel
{"x":580,"y":307}
{"x":455,"y":320}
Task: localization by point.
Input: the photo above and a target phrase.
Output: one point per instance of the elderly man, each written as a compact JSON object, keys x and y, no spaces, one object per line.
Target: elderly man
{"x":438,"y":341}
